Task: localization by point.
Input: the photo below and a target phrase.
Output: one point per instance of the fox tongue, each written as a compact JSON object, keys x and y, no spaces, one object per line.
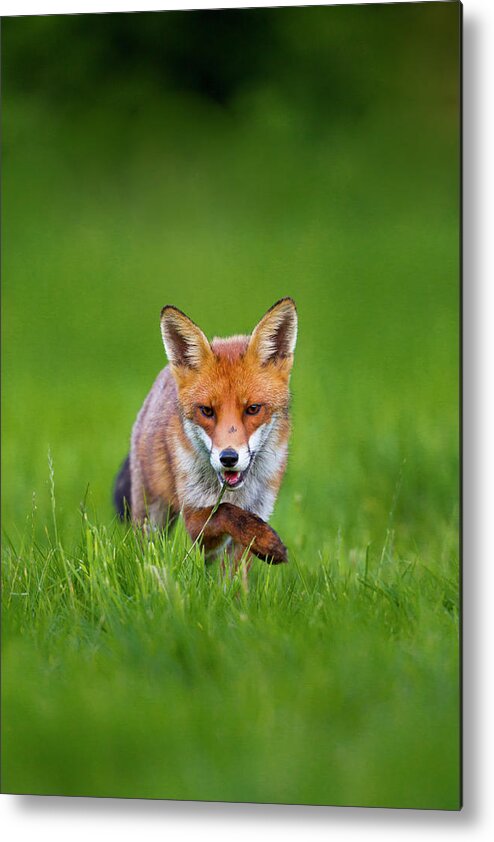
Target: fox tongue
{"x":231,"y":477}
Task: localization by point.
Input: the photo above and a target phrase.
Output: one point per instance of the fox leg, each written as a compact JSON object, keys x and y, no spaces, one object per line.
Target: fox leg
{"x":137,"y":492}
{"x":153,"y":515}
{"x":246,"y":529}
{"x":238,"y":553}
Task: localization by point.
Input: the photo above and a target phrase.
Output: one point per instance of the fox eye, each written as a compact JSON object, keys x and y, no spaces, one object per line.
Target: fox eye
{"x":253,"y":409}
{"x":207,"y":411}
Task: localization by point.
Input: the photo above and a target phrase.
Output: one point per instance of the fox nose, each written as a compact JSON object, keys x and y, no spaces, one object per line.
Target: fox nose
{"x":229,"y":457}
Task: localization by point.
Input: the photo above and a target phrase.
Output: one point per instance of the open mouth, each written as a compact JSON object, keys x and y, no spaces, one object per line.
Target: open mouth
{"x":232,"y":478}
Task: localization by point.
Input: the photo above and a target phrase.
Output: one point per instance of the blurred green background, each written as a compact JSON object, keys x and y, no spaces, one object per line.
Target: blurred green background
{"x":219,"y":161}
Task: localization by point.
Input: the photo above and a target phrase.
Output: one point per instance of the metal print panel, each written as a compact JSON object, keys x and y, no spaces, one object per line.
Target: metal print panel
{"x":231,"y":405}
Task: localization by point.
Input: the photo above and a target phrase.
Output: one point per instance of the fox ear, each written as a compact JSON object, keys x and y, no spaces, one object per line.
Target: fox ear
{"x":185,"y":343}
{"x":275,"y":336}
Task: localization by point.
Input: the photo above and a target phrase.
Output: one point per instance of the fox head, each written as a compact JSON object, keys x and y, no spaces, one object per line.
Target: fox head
{"x":233,"y":393}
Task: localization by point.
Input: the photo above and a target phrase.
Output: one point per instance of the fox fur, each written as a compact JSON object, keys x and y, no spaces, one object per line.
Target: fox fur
{"x":218,"y":414}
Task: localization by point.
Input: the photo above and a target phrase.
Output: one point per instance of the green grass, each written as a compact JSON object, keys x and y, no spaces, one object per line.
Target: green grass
{"x":129,"y":669}
{"x":150,"y":676}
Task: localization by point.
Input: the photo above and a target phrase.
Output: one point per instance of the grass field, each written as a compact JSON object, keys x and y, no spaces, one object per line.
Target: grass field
{"x":129,"y":669}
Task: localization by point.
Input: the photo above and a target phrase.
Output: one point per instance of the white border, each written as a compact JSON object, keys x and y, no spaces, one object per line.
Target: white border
{"x":77,"y":819}
{"x":51,"y":7}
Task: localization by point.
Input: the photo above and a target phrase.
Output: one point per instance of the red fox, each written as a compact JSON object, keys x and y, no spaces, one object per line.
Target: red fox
{"x":217,"y":415}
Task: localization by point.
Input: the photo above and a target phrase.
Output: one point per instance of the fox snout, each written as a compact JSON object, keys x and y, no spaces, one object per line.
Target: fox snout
{"x":229,"y":457}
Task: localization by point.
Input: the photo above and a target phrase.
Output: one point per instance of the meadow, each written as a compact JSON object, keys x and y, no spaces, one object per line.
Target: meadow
{"x":129,"y":668}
